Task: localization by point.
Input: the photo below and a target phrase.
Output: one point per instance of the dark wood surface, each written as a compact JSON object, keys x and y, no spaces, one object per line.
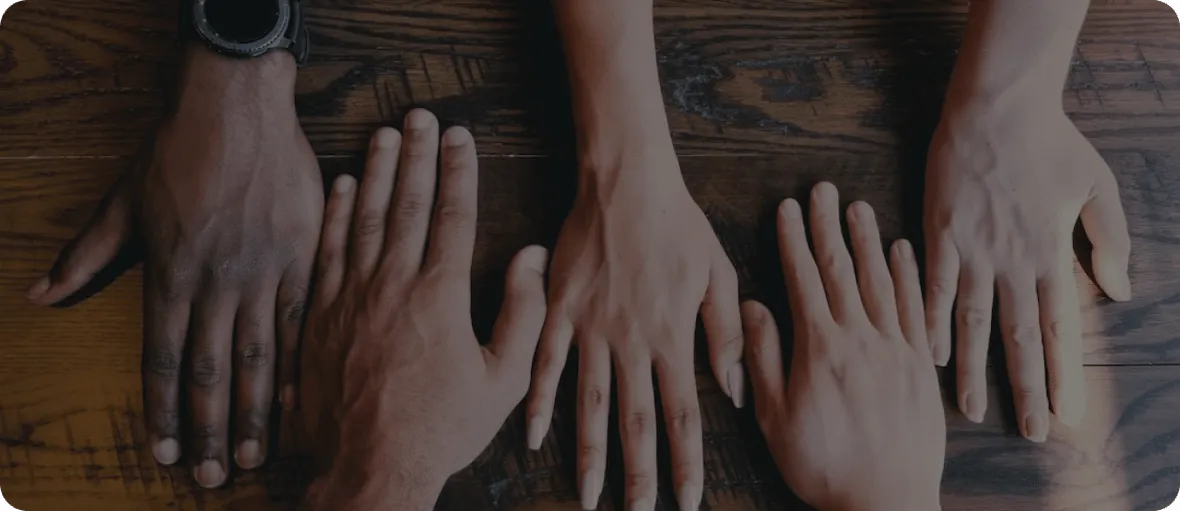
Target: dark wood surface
{"x":765,"y":97}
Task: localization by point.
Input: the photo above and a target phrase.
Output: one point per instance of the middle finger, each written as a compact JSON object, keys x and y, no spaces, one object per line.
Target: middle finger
{"x":209,"y":386}
{"x":835,"y":264}
{"x":637,"y":429}
{"x":682,"y":415}
{"x":1019,"y":317}
{"x":254,"y":372}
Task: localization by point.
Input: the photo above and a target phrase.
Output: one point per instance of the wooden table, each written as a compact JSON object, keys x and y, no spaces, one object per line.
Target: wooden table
{"x":765,"y":97}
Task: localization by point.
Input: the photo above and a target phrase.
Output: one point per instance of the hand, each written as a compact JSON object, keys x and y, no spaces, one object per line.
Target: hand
{"x":1004,"y":189}
{"x":635,"y":261}
{"x":227,"y":208}
{"x":396,"y":386}
{"x":859,"y":425}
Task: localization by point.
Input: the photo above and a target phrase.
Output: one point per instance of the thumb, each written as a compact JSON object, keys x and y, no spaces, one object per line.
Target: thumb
{"x":92,"y":250}
{"x":518,"y":327}
{"x":1106,"y":226}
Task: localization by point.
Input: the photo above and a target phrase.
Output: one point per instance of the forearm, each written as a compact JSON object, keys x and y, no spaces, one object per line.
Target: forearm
{"x":610,"y":51}
{"x":1016,"y":51}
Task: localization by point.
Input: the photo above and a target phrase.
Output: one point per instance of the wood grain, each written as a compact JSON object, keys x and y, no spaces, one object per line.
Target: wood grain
{"x":747,"y":77}
{"x":765,"y":97}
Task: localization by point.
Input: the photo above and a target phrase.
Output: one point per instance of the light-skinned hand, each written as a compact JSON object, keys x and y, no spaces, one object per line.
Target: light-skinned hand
{"x":857,"y":424}
{"x":1005,"y":187}
{"x":398,"y":393}
{"x":634,"y":264}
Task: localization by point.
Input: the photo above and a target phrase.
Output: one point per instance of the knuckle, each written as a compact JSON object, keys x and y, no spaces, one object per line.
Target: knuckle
{"x":208,"y":440}
{"x":939,"y":289}
{"x":295,"y":308}
{"x":165,"y":422}
{"x":974,"y":317}
{"x":592,"y":398}
{"x":639,"y":481}
{"x":206,"y":371}
{"x":834,"y":263}
{"x":454,"y":215}
{"x":590,"y":451}
{"x":1025,"y":337}
{"x":254,"y":355}
{"x":637,"y":424}
{"x":162,"y":364}
{"x":411,"y":206}
{"x":683,"y":420}
{"x":369,"y":225}
{"x":1056,"y":329}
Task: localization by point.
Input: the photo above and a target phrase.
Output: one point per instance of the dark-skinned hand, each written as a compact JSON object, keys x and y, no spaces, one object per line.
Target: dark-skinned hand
{"x":226,"y":207}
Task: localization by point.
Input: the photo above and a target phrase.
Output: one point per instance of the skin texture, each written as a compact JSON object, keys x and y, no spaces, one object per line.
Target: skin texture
{"x":635,"y":262}
{"x":226,"y":207}
{"x":1008,"y":178}
{"x":399,"y":394}
{"x":858,"y":423}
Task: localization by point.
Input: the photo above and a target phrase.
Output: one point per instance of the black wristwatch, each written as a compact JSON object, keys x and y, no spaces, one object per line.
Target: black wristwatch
{"x":246,"y":28}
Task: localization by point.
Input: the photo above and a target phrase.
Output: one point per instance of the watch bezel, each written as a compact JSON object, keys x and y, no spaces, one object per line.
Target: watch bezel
{"x":249,"y":49}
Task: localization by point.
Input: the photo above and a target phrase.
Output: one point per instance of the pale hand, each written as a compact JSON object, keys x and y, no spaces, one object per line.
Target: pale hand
{"x":859,"y":424}
{"x":635,"y":262}
{"x":1004,"y":190}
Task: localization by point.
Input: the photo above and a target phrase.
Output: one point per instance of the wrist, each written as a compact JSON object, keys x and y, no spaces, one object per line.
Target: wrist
{"x":214,"y":79}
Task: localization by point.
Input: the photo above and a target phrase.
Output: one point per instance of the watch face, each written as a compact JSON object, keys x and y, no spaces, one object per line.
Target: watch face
{"x":242,"y":22}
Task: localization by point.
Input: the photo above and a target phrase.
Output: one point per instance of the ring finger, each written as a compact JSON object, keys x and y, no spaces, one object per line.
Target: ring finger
{"x":637,"y":428}
{"x":254,"y":372}
{"x":973,"y":316}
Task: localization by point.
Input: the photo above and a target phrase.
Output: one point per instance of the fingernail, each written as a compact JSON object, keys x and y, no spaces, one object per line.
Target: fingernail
{"x":904,"y":250}
{"x":790,"y":209}
{"x":591,"y":487}
{"x":536,"y":432}
{"x":418,"y":119}
{"x":249,"y":454}
{"x":942,"y":355}
{"x":824,"y":192}
{"x":345,"y":183}
{"x":456,"y":136}
{"x":640,"y":504}
{"x":861,"y":211}
{"x":288,"y":397}
{"x":386,"y":138}
{"x":536,"y":257}
{"x":737,"y":385}
{"x":687,"y":498}
{"x":971,"y":407}
{"x":39,"y":288}
{"x":1036,"y":428}
{"x":209,"y":474}
{"x":166,"y":451}
{"x":1119,"y":283}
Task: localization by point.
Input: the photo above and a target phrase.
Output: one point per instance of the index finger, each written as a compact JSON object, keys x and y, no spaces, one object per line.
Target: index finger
{"x":804,"y":287}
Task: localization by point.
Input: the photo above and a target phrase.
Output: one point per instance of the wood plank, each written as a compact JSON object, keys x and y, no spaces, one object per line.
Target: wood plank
{"x":740,"y":77}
